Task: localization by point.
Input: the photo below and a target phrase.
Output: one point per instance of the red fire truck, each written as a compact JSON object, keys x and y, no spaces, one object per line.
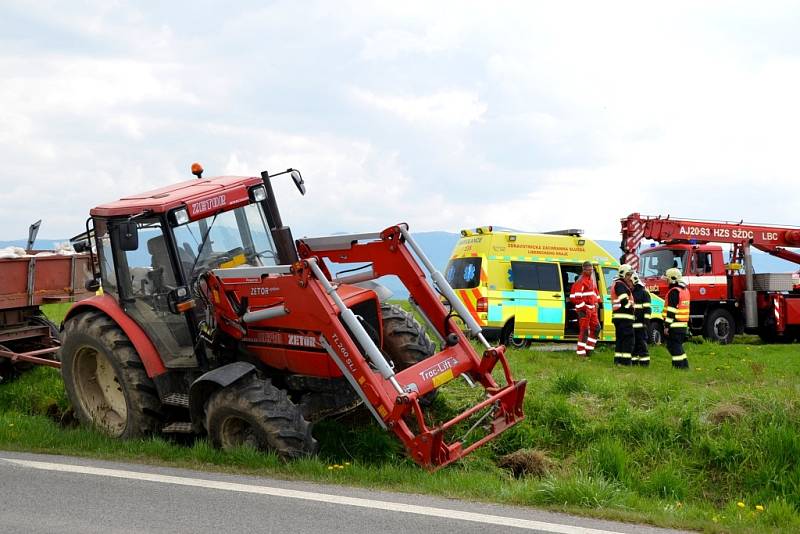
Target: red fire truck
{"x":727,"y":296}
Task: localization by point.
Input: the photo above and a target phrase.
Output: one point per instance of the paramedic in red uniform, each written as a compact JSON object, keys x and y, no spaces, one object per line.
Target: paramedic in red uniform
{"x":585,"y":297}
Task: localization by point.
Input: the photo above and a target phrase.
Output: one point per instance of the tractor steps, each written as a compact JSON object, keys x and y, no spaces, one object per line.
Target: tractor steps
{"x":176,"y":399}
{"x":178,"y":428}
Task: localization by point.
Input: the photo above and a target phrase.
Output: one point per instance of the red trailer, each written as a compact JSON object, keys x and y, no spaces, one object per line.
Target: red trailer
{"x":38,"y":277}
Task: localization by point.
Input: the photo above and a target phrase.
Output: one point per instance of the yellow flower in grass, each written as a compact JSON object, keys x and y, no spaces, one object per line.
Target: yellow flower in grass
{"x":740,"y":504}
{"x":759,"y":508}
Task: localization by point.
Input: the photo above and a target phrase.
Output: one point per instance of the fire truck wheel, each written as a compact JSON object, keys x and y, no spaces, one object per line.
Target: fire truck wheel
{"x":720,"y":326}
{"x":105,"y":379}
{"x":404,"y":339}
{"x":252,"y":412}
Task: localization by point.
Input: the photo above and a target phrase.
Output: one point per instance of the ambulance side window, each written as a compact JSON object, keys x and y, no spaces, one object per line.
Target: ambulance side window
{"x":535,"y":276}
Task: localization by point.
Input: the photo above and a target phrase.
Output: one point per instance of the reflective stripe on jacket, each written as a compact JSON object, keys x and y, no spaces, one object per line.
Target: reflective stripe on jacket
{"x":583,"y":293}
{"x":641,"y":306}
{"x":676,"y":311}
{"x":621,"y":301}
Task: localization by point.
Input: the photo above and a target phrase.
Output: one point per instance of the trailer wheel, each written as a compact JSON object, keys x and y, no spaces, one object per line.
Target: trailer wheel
{"x":105,"y":379}
{"x":404,"y":339}
{"x":44,"y":321}
{"x":720,"y":326}
{"x":253,"y":412}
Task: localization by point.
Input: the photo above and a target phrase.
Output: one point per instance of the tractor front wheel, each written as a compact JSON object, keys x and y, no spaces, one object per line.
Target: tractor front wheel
{"x":105,"y":379}
{"x":252,"y":412}
{"x":404,"y":339}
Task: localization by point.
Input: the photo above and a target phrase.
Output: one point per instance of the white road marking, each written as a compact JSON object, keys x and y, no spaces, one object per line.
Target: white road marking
{"x":312,"y":496}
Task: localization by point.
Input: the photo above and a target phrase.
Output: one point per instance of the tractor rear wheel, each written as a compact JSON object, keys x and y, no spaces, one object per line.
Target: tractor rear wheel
{"x":404,"y":339}
{"x":253,"y":412}
{"x":105,"y":379}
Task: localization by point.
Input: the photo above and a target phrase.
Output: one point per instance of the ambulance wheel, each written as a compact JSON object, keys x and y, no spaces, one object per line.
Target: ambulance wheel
{"x":508,"y":339}
{"x":720,"y":326}
{"x":656,"y":333}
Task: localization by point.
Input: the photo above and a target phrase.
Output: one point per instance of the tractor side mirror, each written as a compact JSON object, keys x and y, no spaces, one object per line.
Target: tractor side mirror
{"x":92,"y":285}
{"x":81,"y":246}
{"x":298,"y":181}
{"x":128,"y":235}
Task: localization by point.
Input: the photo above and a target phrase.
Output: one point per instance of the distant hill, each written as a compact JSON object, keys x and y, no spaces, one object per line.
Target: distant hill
{"x":439,"y":245}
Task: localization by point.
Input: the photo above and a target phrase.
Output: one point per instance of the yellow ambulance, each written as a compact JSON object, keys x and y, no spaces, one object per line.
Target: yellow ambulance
{"x":516,"y":284}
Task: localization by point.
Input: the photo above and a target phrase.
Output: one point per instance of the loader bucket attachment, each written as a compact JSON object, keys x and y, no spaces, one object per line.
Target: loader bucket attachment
{"x":394,"y":398}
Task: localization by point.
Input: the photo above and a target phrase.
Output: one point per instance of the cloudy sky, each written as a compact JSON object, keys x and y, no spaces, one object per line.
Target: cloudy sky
{"x":442,"y":114}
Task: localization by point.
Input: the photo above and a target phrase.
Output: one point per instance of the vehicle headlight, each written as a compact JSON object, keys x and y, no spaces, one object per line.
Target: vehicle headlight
{"x":181,"y":216}
{"x":258,"y":193}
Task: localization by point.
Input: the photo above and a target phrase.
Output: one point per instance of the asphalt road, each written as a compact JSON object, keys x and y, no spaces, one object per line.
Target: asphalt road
{"x":44,"y":494}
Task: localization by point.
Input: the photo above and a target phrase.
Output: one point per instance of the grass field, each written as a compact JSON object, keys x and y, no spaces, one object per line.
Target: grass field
{"x":716,"y":448}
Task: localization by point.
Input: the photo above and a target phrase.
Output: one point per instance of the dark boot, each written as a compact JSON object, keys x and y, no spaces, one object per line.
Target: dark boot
{"x":682,"y":362}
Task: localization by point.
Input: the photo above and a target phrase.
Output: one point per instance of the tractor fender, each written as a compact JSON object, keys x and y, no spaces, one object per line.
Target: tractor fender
{"x":202,"y":388}
{"x":383,"y":292}
{"x":148,"y":353}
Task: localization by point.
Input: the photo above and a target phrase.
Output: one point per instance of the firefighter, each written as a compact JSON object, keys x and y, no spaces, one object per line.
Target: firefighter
{"x":585,"y":297}
{"x":676,"y":317}
{"x":641,"y":322}
{"x":622,"y":314}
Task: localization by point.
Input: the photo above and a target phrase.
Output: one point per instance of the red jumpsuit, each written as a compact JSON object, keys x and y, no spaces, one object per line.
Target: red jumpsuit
{"x":585,"y":297}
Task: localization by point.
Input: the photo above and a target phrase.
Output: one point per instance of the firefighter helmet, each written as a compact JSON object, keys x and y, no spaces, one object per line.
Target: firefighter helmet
{"x":673,"y":275}
{"x":636,"y":280}
{"x":625,"y":270}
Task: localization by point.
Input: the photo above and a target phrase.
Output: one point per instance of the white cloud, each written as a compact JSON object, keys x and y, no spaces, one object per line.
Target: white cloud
{"x":454,"y":108}
{"x":444,"y":115}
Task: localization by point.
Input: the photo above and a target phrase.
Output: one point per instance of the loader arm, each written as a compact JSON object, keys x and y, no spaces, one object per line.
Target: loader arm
{"x":305,"y":290}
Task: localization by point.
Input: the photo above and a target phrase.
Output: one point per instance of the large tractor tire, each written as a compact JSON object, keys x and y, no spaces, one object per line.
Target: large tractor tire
{"x":404,"y":339}
{"x":105,"y":379}
{"x":253,"y":412}
{"x":720,"y":326}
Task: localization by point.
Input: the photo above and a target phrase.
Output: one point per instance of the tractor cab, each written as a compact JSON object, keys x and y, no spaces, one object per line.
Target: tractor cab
{"x":153,"y":247}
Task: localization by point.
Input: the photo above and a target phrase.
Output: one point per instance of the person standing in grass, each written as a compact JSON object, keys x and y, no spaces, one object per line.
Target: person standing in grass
{"x":641,"y":322}
{"x":676,"y":317}
{"x":585,"y":297}
{"x":622,"y":314}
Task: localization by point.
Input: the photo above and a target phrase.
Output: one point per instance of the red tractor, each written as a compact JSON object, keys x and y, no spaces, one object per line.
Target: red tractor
{"x":213,"y":320}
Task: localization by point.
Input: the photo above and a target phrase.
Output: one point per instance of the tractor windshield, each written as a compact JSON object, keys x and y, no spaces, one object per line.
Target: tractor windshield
{"x":228,"y":239}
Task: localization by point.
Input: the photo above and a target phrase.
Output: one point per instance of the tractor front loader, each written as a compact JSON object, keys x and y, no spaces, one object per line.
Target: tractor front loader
{"x":212,"y":320}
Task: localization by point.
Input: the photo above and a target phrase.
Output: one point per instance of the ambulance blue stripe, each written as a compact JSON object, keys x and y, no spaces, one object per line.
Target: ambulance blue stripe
{"x":551,"y":315}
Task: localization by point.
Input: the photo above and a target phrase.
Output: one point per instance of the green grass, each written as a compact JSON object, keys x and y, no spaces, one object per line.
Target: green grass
{"x":671,"y":448}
